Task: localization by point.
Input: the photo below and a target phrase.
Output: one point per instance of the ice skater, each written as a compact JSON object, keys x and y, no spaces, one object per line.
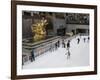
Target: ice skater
{"x":68,"y":52}
{"x":68,"y":44}
{"x":78,"y":40}
{"x":88,"y":38}
{"x":32,"y":56}
{"x":56,"y":46}
{"x":84,"y":39}
{"x":63,"y":44}
{"x":51,"y":48}
{"x":58,"y":43}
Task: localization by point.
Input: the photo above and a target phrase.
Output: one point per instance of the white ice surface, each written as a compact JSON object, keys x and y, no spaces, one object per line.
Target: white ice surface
{"x":58,"y":59}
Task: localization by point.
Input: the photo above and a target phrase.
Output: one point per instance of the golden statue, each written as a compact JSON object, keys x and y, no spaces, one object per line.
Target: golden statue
{"x":38,"y":30}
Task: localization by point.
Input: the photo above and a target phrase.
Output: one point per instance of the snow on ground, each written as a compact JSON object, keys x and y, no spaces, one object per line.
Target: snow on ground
{"x":57,"y":59}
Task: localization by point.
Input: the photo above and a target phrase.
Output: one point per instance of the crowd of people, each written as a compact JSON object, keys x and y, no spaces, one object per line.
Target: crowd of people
{"x":54,"y":46}
{"x":84,"y":39}
{"x":65,"y":44}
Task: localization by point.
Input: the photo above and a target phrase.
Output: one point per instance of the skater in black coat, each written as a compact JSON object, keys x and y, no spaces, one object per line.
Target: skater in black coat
{"x":58,"y":43}
{"x":32,"y":56}
{"x":56,"y":46}
{"x":88,"y":38}
{"x":68,"y":44}
{"x":78,"y":40}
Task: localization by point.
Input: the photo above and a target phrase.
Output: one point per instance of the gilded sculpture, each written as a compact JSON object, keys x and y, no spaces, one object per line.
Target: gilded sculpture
{"x":38,"y":30}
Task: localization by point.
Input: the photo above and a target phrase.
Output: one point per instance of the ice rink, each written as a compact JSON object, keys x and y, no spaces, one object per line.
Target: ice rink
{"x":56,"y":59}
